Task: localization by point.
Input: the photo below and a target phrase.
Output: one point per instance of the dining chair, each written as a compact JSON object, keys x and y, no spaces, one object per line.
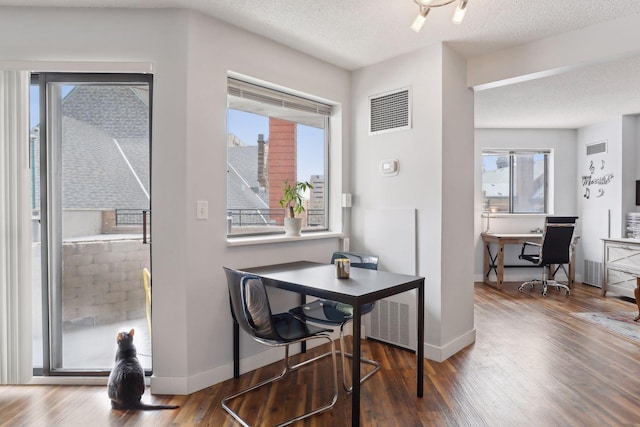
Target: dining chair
{"x":251,"y":310}
{"x":333,"y":313}
{"x":146,"y":282}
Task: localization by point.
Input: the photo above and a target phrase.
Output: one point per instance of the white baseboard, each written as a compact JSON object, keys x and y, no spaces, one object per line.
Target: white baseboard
{"x":202,"y":380}
{"x":440,"y":354}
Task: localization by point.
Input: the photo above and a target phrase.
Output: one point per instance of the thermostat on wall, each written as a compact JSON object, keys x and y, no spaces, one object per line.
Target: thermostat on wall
{"x":389,"y":167}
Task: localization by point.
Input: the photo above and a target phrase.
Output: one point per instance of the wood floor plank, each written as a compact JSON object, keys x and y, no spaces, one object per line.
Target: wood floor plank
{"x":533,"y":364}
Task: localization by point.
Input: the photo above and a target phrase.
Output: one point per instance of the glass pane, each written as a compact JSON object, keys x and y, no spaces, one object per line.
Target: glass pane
{"x":495,"y":182}
{"x":528,"y":183}
{"x":264,"y":150}
{"x":36,"y":279}
{"x":99,"y":173}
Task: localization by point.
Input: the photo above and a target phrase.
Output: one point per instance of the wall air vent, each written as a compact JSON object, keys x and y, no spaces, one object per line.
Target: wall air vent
{"x":597,"y":148}
{"x":390,"y":111}
{"x":592,"y":273}
{"x":390,"y":323}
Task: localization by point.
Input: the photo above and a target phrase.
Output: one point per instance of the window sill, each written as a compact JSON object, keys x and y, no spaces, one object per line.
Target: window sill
{"x":281,"y":238}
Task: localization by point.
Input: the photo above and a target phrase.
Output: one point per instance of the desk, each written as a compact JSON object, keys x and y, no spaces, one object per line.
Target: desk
{"x":496,"y":263}
{"x":363,"y":286}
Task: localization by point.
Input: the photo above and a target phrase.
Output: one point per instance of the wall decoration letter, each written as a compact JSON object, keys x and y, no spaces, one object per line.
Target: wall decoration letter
{"x":600,"y":181}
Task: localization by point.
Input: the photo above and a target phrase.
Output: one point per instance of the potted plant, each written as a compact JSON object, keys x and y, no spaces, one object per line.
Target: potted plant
{"x":292,"y":201}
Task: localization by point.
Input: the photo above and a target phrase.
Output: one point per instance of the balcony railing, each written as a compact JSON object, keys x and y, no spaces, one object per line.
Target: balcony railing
{"x":132,"y":216}
{"x":315,"y":217}
{"x":129,"y":217}
{"x":270,"y":217}
{"x":252,"y":217}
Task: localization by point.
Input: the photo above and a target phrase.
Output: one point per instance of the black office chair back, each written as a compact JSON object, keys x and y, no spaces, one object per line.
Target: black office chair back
{"x":557,"y":240}
{"x":250,"y":305}
{"x":357,"y":259}
{"x":561,"y":219}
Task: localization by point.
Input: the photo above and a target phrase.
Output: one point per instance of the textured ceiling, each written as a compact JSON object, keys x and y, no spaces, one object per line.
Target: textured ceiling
{"x":570,"y":100}
{"x":357,"y":33}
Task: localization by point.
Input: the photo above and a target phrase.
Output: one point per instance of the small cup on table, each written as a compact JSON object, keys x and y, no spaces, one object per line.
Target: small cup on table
{"x":342,"y":268}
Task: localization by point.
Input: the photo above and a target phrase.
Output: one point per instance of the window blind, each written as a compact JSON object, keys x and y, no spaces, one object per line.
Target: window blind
{"x":250,"y":91}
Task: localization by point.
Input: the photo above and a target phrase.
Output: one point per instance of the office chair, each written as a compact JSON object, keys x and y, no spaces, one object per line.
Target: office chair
{"x":555,"y":249}
{"x":251,"y":310}
{"x":333,"y":313}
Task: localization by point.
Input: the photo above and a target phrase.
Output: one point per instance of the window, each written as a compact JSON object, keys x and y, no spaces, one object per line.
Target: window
{"x":515,"y":181}
{"x":272,"y":137}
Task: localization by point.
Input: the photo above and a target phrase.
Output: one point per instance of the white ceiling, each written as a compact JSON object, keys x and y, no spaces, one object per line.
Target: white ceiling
{"x":357,"y":33}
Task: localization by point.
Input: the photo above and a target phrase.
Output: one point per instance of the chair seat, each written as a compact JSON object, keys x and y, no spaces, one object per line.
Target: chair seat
{"x":293,"y":329}
{"x":531,"y":258}
{"x":327,"y":312}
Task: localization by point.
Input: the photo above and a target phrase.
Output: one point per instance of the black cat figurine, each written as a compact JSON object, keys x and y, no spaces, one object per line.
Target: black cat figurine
{"x":126,"y":381}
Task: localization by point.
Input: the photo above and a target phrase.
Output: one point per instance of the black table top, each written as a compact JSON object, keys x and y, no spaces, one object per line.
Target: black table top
{"x":319,"y":280}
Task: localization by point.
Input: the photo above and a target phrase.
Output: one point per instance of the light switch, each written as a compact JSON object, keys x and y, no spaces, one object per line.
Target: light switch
{"x":202,"y":209}
{"x":346,"y":200}
{"x":389,"y":167}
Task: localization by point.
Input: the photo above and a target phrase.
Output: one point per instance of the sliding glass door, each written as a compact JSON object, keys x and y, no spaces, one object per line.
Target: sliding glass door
{"x":92,"y":140}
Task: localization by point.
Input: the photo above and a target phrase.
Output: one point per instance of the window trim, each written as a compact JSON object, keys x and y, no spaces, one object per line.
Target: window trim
{"x":257,"y":90}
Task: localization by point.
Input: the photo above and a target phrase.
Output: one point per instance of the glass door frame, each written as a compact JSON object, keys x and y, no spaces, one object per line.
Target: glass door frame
{"x":50,"y":212}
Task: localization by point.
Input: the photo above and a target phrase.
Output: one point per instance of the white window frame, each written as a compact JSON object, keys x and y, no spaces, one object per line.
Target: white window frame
{"x":548,"y":203}
{"x":333,"y":168}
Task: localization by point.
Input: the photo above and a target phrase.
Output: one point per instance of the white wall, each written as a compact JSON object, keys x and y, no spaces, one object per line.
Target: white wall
{"x":611,"y":161}
{"x":563,"y":174}
{"x":617,"y":196}
{"x":190,"y":55}
{"x":435,"y":177}
{"x":629,"y":167}
{"x":213,"y":49}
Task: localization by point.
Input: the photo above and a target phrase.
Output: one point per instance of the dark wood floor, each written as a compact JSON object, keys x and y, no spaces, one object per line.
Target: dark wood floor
{"x":533,"y":364}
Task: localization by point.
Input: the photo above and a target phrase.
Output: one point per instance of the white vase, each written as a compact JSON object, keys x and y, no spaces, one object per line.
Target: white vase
{"x":292,"y":226}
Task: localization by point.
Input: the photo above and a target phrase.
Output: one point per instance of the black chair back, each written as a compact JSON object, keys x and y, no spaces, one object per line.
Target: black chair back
{"x":557,"y":239}
{"x":362,"y":261}
{"x":250,"y":305}
{"x":561,"y":220}
{"x":357,"y":259}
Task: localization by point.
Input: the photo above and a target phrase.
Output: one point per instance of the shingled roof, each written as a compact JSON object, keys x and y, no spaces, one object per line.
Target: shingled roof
{"x":243,"y":190}
{"x":105,"y":148}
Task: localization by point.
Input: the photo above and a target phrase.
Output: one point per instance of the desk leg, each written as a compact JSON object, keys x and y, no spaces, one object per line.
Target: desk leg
{"x":355,"y":368}
{"x":420,"y":328}
{"x":487,"y":264}
{"x":236,"y":349}
{"x":500,"y":272}
{"x":490,"y":265}
{"x":636,"y":293}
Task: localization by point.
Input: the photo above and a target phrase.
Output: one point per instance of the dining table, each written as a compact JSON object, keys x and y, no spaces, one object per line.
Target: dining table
{"x":361,"y":287}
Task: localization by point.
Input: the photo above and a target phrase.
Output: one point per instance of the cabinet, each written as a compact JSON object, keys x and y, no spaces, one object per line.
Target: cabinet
{"x":621,"y":266}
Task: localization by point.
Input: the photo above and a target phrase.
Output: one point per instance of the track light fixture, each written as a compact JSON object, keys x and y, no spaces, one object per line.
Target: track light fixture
{"x":426,"y":5}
